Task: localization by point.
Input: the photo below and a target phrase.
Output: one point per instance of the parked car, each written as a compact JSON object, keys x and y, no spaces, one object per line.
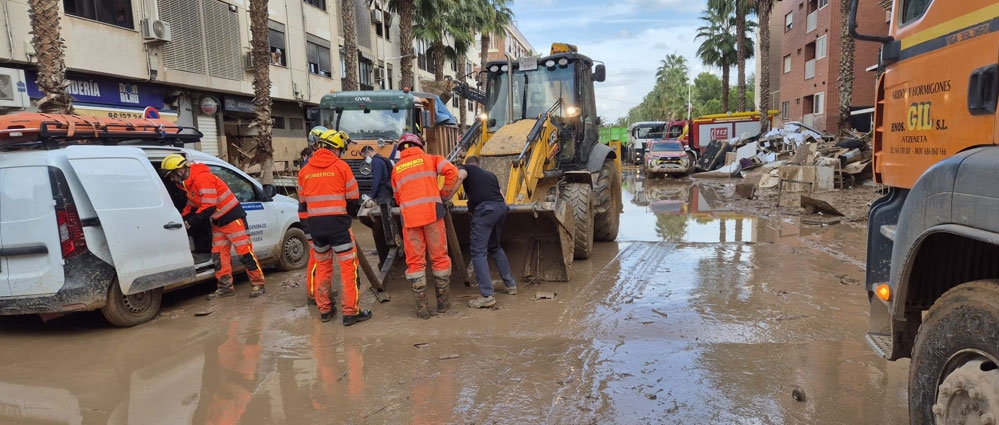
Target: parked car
{"x":88,"y":223}
{"x":668,"y":157}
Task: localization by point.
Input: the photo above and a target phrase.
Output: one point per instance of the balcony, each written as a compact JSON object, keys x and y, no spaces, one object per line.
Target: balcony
{"x":810,"y":69}
{"x":811,"y":22}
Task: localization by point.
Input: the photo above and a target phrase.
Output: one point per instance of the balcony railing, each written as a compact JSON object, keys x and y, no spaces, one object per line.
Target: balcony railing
{"x":811,"y":22}
{"x":810,"y":69}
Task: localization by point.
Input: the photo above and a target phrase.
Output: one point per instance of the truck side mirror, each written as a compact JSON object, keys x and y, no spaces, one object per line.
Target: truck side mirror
{"x":269,"y":191}
{"x":600,"y":73}
{"x":427,"y":120}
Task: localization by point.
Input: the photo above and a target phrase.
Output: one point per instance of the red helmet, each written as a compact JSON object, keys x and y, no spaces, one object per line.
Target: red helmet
{"x":409,"y":140}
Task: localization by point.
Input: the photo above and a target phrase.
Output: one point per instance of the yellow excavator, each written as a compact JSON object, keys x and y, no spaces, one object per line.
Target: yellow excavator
{"x":540,"y":135}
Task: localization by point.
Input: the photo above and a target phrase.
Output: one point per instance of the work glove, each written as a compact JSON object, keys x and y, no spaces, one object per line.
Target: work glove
{"x":365,"y":198}
{"x":369,"y":203}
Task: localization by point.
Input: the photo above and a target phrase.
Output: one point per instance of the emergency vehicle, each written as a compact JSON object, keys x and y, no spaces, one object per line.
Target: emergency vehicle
{"x":87,"y":222}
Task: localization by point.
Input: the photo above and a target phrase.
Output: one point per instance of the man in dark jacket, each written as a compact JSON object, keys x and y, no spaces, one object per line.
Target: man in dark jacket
{"x":380,"y":194}
{"x":488,"y":209}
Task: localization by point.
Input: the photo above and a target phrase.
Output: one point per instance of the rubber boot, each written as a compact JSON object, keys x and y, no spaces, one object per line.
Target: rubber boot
{"x":443,"y":283}
{"x":420,"y":296}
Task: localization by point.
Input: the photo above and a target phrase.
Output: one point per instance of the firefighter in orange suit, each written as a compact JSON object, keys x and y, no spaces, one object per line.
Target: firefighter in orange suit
{"x":328,"y":193}
{"x":414,"y":180}
{"x":209,"y":198}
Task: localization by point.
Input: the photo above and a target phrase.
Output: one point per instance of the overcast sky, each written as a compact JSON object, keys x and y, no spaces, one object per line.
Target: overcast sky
{"x":630,"y":36}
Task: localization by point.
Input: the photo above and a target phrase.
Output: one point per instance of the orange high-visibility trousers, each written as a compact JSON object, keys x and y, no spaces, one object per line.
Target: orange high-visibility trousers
{"x":223,"y":239}
{"x":346,"y":257}
{"x":310,"y":272}
{"x":419,"y":240}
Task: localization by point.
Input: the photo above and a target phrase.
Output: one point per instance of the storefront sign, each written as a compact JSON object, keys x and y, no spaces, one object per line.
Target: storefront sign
{"x":120,"y":113}
{"x":209,"y":106}
{"x":103,"y":90}
{"x":237,"y":104}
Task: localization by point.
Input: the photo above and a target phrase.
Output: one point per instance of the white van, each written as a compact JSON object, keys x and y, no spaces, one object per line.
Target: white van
{"x":91,"y":227}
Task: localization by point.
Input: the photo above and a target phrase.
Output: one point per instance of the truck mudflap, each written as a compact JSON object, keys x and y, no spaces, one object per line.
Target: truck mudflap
{"x":537,"y":239}
{"x":85,"y":288}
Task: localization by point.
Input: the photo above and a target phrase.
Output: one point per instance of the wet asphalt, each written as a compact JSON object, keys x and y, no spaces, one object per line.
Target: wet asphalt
{"x":695,"y":315}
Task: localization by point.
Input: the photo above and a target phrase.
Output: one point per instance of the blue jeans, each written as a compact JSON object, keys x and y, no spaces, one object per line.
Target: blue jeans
{"x":487,"y":229}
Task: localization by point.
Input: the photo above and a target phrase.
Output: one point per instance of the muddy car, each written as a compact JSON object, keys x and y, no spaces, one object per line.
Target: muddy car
{"x":667,"y":157}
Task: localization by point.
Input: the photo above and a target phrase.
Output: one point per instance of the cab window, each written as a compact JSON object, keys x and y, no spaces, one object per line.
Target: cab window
{"x":914,"y":9}
{"x":239,"y":186}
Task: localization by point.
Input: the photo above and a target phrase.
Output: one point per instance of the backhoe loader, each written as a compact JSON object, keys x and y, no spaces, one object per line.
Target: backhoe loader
{"x":540,"y":135}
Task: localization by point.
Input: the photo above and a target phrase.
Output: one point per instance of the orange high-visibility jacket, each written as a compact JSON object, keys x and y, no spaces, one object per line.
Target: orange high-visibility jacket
{"x":205,"y":190}
{"x":325,"y":184}
{"x":414,"y":180}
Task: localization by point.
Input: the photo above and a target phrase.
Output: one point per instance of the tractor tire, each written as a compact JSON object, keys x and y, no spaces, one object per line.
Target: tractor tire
{"x":130,"y":310}
{"x":607,"y":191}
{"x":579,"y":197}
{"x":953,"y":367}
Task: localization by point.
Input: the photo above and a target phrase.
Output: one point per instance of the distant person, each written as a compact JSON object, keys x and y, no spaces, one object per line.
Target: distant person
{"x":488,"y":210}
{"x":380,"y":194}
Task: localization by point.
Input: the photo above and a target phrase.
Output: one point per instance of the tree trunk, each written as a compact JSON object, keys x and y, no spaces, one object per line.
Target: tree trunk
{"x":349,"y":45}
{"x":483,"y":58}
{"x":49,"y":46}
{"x":438,"y":52}
{"x":462,"y":111}
{"x":845,"y":67}
{"x":406,"y":42}
{"x":764,"y":58}
{"x":262,"y":122}
{"x":740,"y":40}
{"x":726,"y":71}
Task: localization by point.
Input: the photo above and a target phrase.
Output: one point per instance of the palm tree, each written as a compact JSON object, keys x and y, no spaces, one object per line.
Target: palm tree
{"x":262,"y":122}
{"x":446,"y":25}
{"x":764,"y":8}
{"x":493,"y":18}
{"x":719,"y":45}
{"x":742,"y":8}
{"x":49,"y":46}
{"x":349,"y":45}
{"x":405,"y":10}
{"x":845,"y":77}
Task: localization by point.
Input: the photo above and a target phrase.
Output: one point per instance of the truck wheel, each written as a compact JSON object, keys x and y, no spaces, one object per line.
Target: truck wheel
{"x":608,"y":194}
{"x":953,"y":373}
{"x":578,"y":196}
{"x":294,"y":250}
{"x":130,"y":310}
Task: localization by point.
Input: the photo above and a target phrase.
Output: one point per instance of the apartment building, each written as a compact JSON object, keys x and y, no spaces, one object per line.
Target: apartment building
{"x":190,"y":59}
{"x":512,"y":43}
{"x":810,"y":54}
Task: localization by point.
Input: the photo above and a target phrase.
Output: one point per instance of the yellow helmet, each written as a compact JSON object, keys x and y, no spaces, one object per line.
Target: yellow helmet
{"x":333,"y":139}
{"x":173,"y":162}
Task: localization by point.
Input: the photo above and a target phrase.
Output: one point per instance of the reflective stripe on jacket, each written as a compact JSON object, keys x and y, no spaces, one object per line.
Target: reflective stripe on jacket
{"x":205,"y":190}
{"x":325,"y":184}
{"x":414,"y":180}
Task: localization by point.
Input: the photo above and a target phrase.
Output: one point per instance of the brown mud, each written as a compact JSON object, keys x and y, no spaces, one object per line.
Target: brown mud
{"x":699,"y":314}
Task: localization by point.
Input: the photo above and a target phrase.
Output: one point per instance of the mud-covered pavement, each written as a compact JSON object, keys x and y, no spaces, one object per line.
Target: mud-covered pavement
{"x":695,"y":316}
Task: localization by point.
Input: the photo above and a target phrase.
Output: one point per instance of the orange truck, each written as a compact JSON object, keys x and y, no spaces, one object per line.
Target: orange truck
{"x":933,"y":240}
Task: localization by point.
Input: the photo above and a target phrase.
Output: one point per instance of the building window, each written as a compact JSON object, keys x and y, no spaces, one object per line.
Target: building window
{"x":389,"y":76}
{"x":387,"y":19}
{"x":278,"y":123}
{"x":364,"y":68}
{"x":823,"y":3}
{"x":454,"y":101}
{"x":454,"y":66}
{"x":818,"y":103}
{"x":317,"y":3}
{"x":275,"y":37}
{"x":343,"y":65}
{"x":820,"y":47}
{"x":381,"y":77}
{"x":422,"y":59}
{"x":114,"y":12}
{"x":379,"y":26}
{"x":785,"y":110}
{"x":469,"y":69}
{"x":318,"y":53}
{"x":788,"y":21}
{"x":787,"y":64}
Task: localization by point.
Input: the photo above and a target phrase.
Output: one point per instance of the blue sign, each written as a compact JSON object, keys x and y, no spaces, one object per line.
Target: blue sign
{"x":252,"y":206}
{"x":103,"y":90}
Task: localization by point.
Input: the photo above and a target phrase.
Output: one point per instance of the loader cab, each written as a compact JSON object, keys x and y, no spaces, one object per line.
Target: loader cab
{"x":561,"y":83}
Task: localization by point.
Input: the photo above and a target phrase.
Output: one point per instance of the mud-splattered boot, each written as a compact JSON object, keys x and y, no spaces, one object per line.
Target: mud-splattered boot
{"x":442,"y":279}
{"x":420,"y":296}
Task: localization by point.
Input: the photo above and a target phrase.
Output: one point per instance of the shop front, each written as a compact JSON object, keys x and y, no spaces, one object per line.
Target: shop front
{"x":106,"y":97}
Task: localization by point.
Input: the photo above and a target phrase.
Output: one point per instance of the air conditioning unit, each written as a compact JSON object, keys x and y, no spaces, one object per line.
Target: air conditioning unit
{"x":13,"y":89}
{"x":376,"y":16}
{"x":155,"y":30}
{"x":379,"y":74}
{"x":248,"y":61}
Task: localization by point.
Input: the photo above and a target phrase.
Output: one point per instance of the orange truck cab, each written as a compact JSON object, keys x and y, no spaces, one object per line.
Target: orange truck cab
{"x":933,"y":240}
{"x":379,"y":118}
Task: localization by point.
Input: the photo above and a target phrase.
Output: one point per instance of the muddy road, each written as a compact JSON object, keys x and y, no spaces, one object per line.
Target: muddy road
{"x":696,"y":315}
